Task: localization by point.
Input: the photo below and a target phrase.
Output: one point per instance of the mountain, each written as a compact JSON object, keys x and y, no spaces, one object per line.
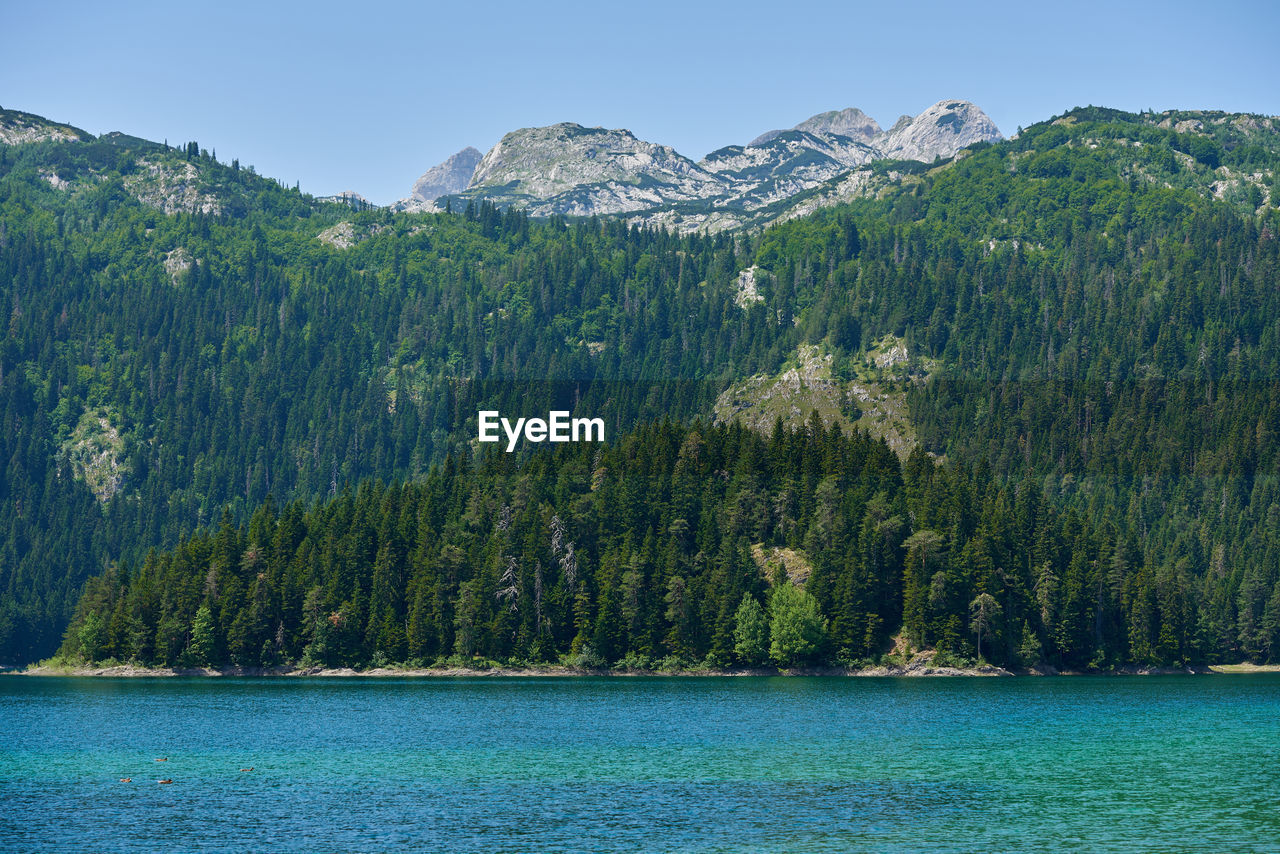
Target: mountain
{"x":451,"y":176}
{"x":570,"y":170}
{"x":19,"y":128}
{"x":1067,"y":341}
{"x":939,"y":131}
{"x":757,"y":176}
{"x":850,"y":122}
{"x":576,"y":171}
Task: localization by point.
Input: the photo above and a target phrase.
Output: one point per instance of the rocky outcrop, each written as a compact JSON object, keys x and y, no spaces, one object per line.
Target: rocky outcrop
{"x":96,"y":452}
{"x":748,"y":289}
{"x":571,"y":170}
{"x":850,"y":122}
{"x":578,"y":171}
{"x":177,"y":262}
{"x":787,"y":153}
{"x":340,"y":236}
{"x":54,"y":181}
{"x":171,"y":188}
{"x":451,"y":176}
{"x":939,"y":131}
{"x":19,"y":128}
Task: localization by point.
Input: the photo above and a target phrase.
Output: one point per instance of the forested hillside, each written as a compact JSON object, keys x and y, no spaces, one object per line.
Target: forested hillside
{"x":166,"y":366}
{"x":187,"y":340}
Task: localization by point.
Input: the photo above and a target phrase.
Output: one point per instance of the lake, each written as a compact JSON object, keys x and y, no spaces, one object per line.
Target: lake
{"x":641,"y":764}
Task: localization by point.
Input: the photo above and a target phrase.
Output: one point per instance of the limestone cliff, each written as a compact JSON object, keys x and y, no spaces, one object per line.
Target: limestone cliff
{"x":451,"y":176}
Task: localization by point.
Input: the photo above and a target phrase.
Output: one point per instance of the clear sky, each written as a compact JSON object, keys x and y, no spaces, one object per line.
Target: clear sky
{"x":366,"y":96}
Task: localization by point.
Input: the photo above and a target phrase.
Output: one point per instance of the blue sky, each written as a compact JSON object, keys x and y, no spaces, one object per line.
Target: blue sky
{"x":367,"y":96}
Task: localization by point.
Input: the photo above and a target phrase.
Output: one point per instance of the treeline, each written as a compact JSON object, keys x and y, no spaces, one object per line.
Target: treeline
{"x":196,"y":362}
{"x":672,"y":544}
{"x":1106,"y":333}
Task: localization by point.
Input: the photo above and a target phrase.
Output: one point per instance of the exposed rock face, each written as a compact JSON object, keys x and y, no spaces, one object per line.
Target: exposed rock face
{"x":451,"y":176}
{"x":807,"y":386}
{"x":578,"y":171}
{"x":53,"y":180}
{"x":788,"y":152}
{"x":850,"y":122}
{"x":18,"y":128}
{"x":340,"y":236}
{"x":177,"y":262}
{"x":412,"y":205}
{"x":572,"y":170}
{"x":875,"y":402}
{"x":790,"y":163}
{"x":96,"y":451}
{"x":748,"y":292}
{"x":939,"y":131}
{"x":170,"y":188}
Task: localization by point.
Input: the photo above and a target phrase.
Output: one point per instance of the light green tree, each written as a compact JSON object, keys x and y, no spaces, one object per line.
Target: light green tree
{"x":797,"y":628}
{"x":92,"y":635}
{"x":200,"y":651}
{"x":1030,"y":651}
{"x":751,"y":632}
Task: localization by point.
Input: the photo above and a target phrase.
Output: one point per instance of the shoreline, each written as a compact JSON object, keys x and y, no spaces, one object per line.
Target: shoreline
{"x":913,"y":669}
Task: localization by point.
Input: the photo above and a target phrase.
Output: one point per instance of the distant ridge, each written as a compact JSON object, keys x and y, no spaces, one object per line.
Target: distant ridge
{"x":570,"y":170}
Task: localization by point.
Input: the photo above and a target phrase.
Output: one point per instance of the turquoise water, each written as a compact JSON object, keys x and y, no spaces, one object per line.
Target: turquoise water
{"x":631,"y":764}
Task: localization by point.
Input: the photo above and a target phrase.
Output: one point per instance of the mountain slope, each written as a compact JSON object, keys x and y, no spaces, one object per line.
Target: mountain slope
{"x":1095,"y":298}
{"x":202,"y":356}
{"x":19,"y":128}
{"x":850,"y":122}
{"x":939,"y":131}
{"x":451,"y":176}
{"x":569,"y":170}
{"x":576,"y":171}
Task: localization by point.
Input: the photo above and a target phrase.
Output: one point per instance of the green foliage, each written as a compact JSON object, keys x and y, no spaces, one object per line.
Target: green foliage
{"x":585,"y":659}
{"x":797,"y":629}
{"x":1030,"y":651}
{"x":201,"y":651}
{"x":91,"y":637}
{"x":1106,"y":401}
{"x":242,"y":358}
{"x":751,"y":632}
{"x":984,"y":610}
{"x":483,"y":549}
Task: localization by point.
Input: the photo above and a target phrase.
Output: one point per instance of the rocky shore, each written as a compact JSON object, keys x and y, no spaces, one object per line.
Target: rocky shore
{"x":920,"y":665}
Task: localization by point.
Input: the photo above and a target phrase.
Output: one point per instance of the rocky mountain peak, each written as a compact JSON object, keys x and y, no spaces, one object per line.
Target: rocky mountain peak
{"x":940,"y":131}
{"x":572,"y":170}
{"x":451,"y":176}
{"x":587,"y":170}
{"x":850,"y":122}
